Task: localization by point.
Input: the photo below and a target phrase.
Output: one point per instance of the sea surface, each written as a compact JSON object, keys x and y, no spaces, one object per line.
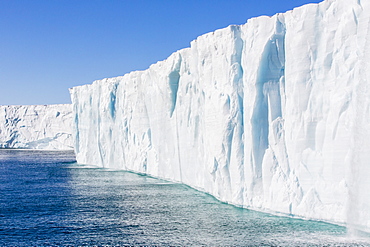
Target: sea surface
{"x":46,"y":199}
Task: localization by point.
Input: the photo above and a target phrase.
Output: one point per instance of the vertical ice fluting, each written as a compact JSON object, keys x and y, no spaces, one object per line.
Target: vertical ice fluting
{"x":272,"y":115}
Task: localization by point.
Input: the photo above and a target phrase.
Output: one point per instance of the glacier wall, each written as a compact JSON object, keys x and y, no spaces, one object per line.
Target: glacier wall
{"x":36,"y":127}
{"x":272,"y":115}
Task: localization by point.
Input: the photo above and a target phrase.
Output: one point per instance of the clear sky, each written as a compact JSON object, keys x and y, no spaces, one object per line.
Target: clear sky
{"x":48,"y":46}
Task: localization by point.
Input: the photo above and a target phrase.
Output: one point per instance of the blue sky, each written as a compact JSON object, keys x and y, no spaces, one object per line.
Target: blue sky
{"x":48,"y":46}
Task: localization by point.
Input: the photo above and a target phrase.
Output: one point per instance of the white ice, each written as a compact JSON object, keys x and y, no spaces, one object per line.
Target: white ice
{"x":272,"y":115}
{"x":36,"y":127}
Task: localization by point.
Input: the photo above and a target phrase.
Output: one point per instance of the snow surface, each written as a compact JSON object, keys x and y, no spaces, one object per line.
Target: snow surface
{"x":36,"y":127}
{"x":272,"y":115}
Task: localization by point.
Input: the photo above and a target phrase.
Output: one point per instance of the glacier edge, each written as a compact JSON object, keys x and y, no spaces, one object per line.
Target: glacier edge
{"x":47,"y":127}
{"x":271,"y":115}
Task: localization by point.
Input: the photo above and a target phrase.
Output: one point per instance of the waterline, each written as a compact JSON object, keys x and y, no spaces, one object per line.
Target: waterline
{"x":46,"y":200}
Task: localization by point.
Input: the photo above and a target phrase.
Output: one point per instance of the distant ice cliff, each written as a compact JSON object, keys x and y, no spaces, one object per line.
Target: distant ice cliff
{"x":272,"y":115}
{"x":36,"y":127}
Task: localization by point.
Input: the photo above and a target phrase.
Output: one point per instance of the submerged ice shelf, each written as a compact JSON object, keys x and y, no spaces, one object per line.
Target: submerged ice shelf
{"x":272,"y":115}
{"x":36,"y":127}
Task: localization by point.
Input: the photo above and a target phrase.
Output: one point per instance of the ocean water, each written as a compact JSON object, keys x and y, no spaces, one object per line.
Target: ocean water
{"x":46,"y":199}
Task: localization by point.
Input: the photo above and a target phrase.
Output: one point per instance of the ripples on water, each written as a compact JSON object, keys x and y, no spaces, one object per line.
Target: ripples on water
{"x":48,"y":200}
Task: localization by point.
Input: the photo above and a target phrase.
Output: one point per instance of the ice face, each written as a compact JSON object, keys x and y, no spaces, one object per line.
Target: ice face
{"x":36,"y":127}
{"x":272,"y":115}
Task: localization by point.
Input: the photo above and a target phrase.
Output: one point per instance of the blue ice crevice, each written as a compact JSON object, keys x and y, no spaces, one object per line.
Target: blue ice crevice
{"x":173,"y":82}
{"x":112,"y":100}
{"x":267,"y":105}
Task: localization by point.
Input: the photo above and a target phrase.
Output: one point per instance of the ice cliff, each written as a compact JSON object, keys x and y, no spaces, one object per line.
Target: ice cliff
{"x":36,"y":127}
{"x":272,"y":115}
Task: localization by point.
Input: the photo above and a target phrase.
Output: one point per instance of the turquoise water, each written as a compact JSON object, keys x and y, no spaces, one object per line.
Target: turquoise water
{"x":49,"y":200}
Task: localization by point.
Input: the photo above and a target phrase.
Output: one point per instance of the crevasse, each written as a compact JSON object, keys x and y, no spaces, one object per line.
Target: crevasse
{"x":272,"y":115}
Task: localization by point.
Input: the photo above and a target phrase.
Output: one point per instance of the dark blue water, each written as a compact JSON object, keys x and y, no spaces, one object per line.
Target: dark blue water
{"x":48,"y":200}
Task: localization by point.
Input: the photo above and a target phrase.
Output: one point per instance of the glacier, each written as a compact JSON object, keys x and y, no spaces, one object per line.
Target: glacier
{"x":272,"y":115}
{"x":36,"y":127}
